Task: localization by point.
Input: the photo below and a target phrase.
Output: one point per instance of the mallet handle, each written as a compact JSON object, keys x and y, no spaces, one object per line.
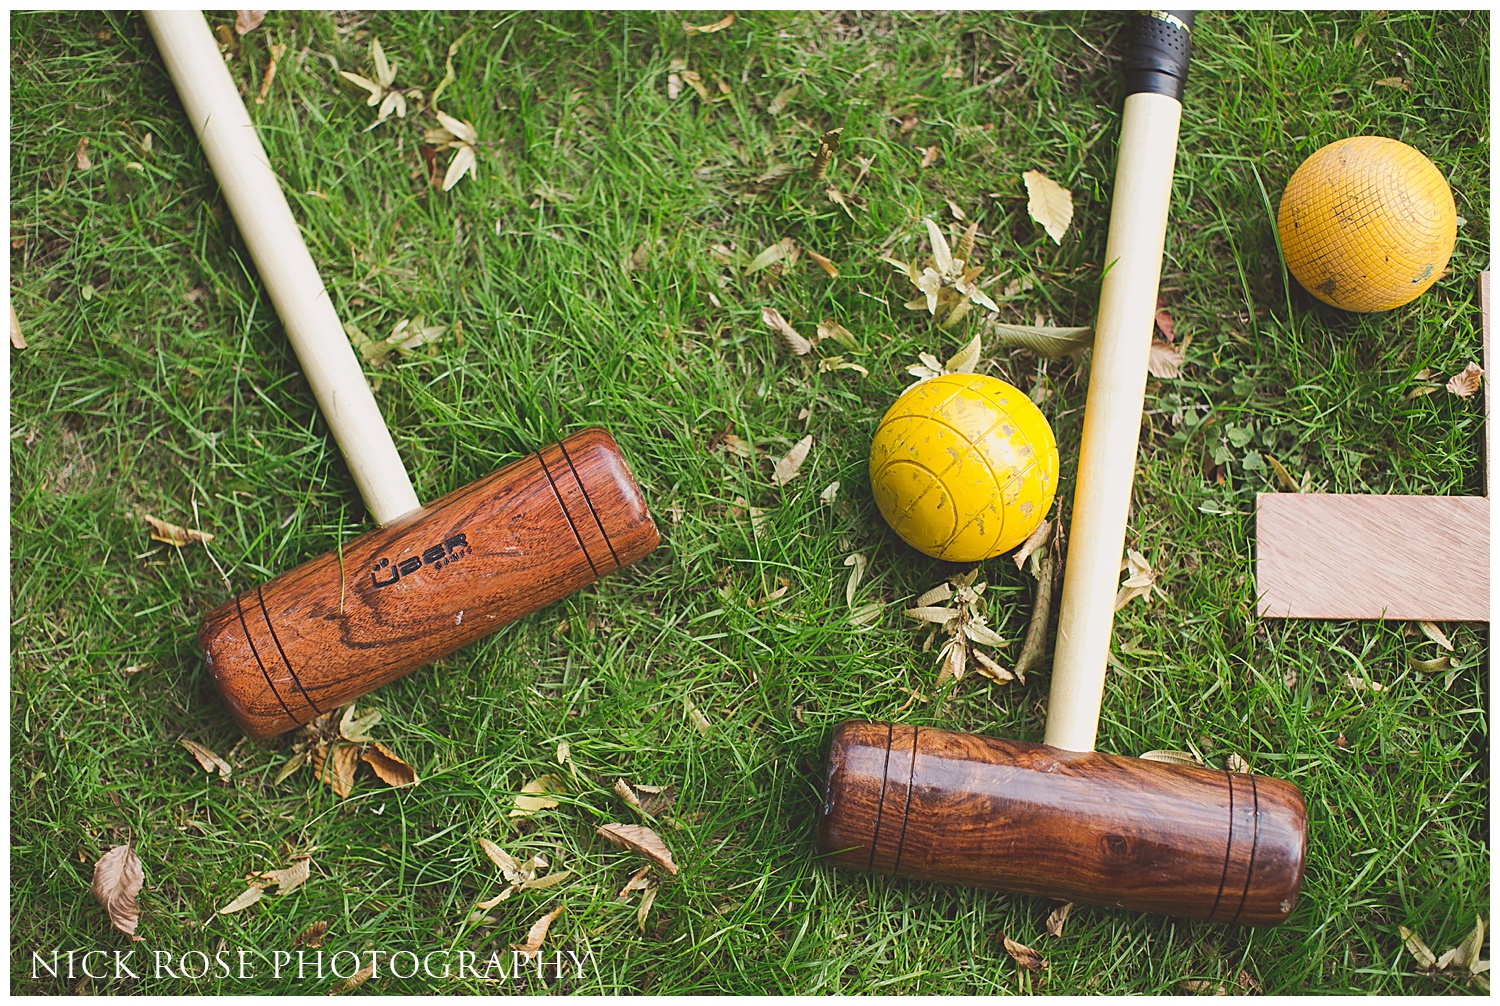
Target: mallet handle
{"x":1117,"y":388}
{"x":265,"y":222}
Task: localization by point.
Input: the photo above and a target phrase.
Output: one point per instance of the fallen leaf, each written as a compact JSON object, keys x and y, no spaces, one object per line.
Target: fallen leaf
{"x":356,"y":728}
{"x":638,"y":882}
{"x":563,"y":751}
{"x":513,"y":872}
{"x":828,"y":145}
{"x":1246,"y":983}
{"x":865,"y":614}
{"x":1164,"y":321}
{"x":1282,"y":475}
{"x":708,"y":29}
{"x":1363,"y":684}
{"x":1057,"y":918}
{"x":1433,"y":666}
{"x":839,"y":334}
{"x":312,"y":936}
{"x":788,"y":467}
{"x":530,"y":800}
{"x":930,"y":156}
{"x":465,"y":161}
{"x":289,"y":878}
{"x":829,"y":494}
{"x":1140,"y":581}
{"x":1236,"y":763}
{"x":16,"y":341}
{"x":336,"y":767}
{"x":1202,"y":986}
{"x":81,"y":154}
{"x":987,"y":667}
{"x":640,"y":839}
{"x":937,"y":616}
{"x":771,"y":254}
{"x":1466,"y":381}
{"x":674,"y":78}
{"x":1467,"y":953}
{"x":1049,"y":204}
{"x":739,"y":448}
{"x":624,"y":792}
{"x":538,"y":933}
{"x":1024,"y":955}
{"x":246,"y":21}
{"x":550,"y":880}
{"x":296,"y":761}
{"x":1172,"y":757}
{"x":355,"y":980}
{"x":1396,"y":82}
{"x":172,"y":534}
{"x":1048,"y":341}
{"x":1424,"y":957}
{"x":1037,"y":539}
{"x":830,"y":364}
{"x":647,"y":899}
{"x":966,"y":359}
{"x":859,"y":562}
{"x":118,"y":877}
{"x":778,"y":103}
{"x":693,"y":80}
{"x":1432,"y":632}
{"x":390,"y":768}
{"x":208,"y":759}
{"x":826,"y":264}
{"x":1165,"y":360}
{"x":248,"y":897}
{"x":788,"y":336}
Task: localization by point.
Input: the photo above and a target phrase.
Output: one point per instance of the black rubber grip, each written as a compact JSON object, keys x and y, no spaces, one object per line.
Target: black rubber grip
{"x":1156,"y":58}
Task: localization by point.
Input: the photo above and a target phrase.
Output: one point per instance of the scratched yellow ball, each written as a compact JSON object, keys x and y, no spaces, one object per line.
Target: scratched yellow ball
{"x":964,"y":467}
{"x":1367,"y":224}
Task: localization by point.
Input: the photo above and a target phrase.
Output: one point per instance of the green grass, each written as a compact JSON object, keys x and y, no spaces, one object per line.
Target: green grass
{"x":158,"y":379}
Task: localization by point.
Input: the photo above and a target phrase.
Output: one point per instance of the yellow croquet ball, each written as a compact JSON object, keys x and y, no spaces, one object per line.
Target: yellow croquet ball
{"x":1367,"y":224}
{"x":964,"y":467}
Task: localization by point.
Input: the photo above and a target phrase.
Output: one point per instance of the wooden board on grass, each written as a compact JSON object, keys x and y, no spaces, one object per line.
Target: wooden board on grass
{"x":1323,"y":555}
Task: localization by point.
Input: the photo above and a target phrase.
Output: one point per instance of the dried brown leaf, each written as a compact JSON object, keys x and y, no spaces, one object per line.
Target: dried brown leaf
{"x":81,"y":154}
{"x":390,"y":768}
{"x":647,"y":899}
{"x":640,"y":839}
{"x":788,"y":336}
{"x":966,"y":359}
{"x":987,"y":667}
{"x":1282,"y":475}
{"x":312,"y":936}
{"x":296,"y":761}
{"x":538,"y":933}
{"x":1432,"y":632}
{"x":172,"y":534}
{"x":288,"y":878}
{"x":1466,"y":381}
{"x":826,"y":264}
{"x":118,"y":877}
{"x":1236,"y":763}
{"x":839,"y":334}
{"x":771,"y":254}
{"x":247,"y":897}
{"x":208,"y":759}
{"x":1398,"y":83}
{"x":778,"y":103}
{"x":550,"y":880}
{"x":788,"y":467}
{"x":1037,"y":539}
{"x":355,"y":980}
{"x":1140,"y":581}
{"x":1049,"y":204}
{"x":708,"y":29}
{"x":1165,"y":323}
{"x":1424,"y":957}
{"x":1172,"y":757}
{"x":246,"y":21}
{"x":1023,"y":955}
{"x":1165,"y":360}
{"x":336,"y":767}
{"x":1057,"y":918}
{"x":1202,"y":986}
{"x":930,"y":156}
{"x":531,"y":798}
{"x":638,"y":882}
{"x":828,"y":145}
{"x":356,"y":728}
{"x":16,"y":341}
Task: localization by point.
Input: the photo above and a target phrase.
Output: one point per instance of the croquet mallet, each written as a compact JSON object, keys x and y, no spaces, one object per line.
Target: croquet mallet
{"x":430,"y":579}
{"x":1057,"y":819}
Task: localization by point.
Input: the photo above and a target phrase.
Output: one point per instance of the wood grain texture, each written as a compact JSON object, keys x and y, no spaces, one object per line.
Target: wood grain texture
{"x":402,"y":596}
{"x":1079,"y":826}
{"x":1349,"y":556}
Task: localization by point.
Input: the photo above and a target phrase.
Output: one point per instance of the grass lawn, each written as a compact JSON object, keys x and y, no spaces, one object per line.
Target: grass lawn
{"x":576,"y":276}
